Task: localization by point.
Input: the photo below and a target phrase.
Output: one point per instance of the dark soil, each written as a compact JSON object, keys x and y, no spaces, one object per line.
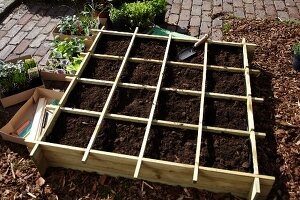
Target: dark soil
{"x":178,"y":108}
{"x":88,"y":97}
{"x":133,"y":102}
{"x":121,"y":137}
{"x":101,"y":69}
{"x":225,"y":151}
{"x":141,"y":73}
{"x":226,"y":82}
{"x":182,"y":78}
{"x":176,"y":47}
{"x":73,"y":130}
{"x":219,"y":151}
{"x":175,"y":145}
{"x":148,"y":49}
{"x":113,"y":45}
{"x":228,"y":56}
{"x":225,"y":114}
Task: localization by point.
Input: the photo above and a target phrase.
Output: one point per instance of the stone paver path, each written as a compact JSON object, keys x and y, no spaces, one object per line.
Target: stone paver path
{"x":198,"y":17}
{"x":27,"y":30}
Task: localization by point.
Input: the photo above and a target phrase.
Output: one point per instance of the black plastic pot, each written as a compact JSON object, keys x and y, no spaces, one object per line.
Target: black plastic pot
{"x":296,"y":62}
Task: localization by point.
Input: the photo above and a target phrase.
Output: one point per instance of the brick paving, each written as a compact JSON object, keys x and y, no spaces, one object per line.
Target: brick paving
{"x":27,"y":30}
{"x":198,"y":17}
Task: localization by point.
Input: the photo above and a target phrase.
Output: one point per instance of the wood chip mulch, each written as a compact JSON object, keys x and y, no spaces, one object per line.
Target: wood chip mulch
{"x":279,"y":84}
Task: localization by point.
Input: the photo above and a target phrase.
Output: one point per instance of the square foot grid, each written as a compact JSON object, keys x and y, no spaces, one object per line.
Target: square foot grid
{"x":170,"y":133}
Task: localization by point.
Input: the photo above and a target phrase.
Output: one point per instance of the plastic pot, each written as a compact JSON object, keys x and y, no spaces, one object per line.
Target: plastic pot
{"x":296,"y":62}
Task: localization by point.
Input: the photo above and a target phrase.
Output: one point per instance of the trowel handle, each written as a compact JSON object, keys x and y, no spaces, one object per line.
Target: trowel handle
{"x":201,"y":40}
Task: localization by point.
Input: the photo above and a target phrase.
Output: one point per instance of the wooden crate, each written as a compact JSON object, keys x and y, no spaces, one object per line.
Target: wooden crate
{"x":247,"y":185}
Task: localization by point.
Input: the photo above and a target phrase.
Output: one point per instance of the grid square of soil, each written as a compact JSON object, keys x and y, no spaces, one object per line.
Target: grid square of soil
{"x":182,"y":78}
{"x":175,"y":145}
{"x":225,"y":114}
{"x":132,"y":102}
{"x":176,"y":47}
{"x":228,"y":56}
{"x":121,"y":137}
{"x":113,"y":45}
{"x":178,"y":108}
{"x":88,"y":97}
{"x":101,"y":69}
{"x":73,"y":130}
{"x":148,"y":48}
{"x":141,"y":73}
{"x":226,"y":82}
{"x":225,"y":151}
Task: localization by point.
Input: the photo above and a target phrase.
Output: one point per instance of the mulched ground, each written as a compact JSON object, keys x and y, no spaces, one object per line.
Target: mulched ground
{"x":279,"y":115}
{"x":278,"y":153}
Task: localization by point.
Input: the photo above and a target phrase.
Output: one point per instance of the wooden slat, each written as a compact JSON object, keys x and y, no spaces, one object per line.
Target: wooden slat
{"x":83,"y":64}
{"x":215,"y":180}
{"x":108,"y":101}
{"x":95,"y":43}
{"x":164,"y":123}
{"x":119,"y":33}
{"x":179,"y":91}
{"x":180,"y":64}
{"x":255,"y":189}
{"x":149,"y":123}
{"x":70,"y":87}
{"x":200,"y":124}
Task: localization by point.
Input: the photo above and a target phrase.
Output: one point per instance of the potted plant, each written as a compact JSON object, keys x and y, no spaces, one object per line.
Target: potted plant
{"x":160,"y":10}
{"x":99,"y":10}
{"x":296,"y":60}
{"x":65,"y":57}
{"x":77,"y":26}
{"x":131,"y":15}
{"x":18,"y":75}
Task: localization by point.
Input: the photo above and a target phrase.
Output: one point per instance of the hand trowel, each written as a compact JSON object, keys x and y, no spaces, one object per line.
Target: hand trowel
{"x":188,"y":52}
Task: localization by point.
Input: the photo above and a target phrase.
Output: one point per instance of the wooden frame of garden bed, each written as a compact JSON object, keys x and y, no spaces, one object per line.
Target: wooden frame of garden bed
{"x":248,"y":185}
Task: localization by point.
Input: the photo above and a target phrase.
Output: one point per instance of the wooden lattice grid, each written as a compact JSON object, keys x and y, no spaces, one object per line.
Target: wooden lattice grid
{"x":244,"y":184}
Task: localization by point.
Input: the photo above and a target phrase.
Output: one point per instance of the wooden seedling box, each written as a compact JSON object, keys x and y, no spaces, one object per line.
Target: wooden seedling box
{"x":26,"y":112}
{"x":19,"y":97}
{"x":247,"y":185}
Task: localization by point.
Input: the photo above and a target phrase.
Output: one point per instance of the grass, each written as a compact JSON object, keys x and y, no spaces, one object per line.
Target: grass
{"x":226,"y":27}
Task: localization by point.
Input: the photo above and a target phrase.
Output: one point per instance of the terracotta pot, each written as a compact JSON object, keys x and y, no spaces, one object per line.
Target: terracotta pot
{"x":296,"y":62}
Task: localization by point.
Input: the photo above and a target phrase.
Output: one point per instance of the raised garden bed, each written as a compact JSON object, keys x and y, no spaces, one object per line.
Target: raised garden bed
{"x":166,"y":127}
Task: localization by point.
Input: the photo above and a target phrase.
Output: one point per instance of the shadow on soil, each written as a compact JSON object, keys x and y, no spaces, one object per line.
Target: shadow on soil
{"x":269,"y":161}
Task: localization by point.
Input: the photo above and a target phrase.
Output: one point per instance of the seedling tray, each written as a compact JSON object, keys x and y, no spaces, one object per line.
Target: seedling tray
{"x":151,"y":117}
